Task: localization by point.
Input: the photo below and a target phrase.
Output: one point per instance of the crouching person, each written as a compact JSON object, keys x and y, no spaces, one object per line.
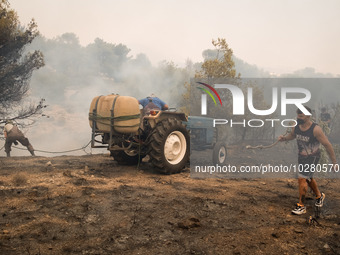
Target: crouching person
{"x":14,"y":135}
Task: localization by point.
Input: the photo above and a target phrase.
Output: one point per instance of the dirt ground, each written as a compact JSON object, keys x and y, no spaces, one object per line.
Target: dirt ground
{"x":91,"y":205}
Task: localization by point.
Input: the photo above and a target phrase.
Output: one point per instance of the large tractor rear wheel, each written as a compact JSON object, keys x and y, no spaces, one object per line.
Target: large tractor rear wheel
{"x":169,"y":146}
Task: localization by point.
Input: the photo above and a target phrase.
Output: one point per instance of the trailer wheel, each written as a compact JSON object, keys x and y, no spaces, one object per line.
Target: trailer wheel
{"x":126,"y":157}
{"x":220,"y":154}
{"x":169,"y":146}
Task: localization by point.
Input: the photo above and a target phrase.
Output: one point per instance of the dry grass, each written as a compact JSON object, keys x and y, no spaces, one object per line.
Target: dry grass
{"x":20,"y":179}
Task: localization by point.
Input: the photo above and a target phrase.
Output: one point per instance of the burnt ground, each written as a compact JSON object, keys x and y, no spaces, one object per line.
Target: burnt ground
{"x":91,"y":205}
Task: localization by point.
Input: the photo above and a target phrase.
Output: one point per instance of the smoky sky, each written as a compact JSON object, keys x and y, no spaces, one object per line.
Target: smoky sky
{"x":278,"y":36}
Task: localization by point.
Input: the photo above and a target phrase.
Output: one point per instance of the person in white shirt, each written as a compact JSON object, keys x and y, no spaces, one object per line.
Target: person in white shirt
{"x":14,"y":135}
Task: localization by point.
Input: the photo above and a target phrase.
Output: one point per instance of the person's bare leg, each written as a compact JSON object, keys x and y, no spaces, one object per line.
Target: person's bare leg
{"x":302,"y":190}
{"x":314,"y":186}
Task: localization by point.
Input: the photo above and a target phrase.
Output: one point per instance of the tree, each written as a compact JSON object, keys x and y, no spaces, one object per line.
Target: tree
{"x":15,"y":67}
{"x":219,"y":66}
{"x":110,"y":57}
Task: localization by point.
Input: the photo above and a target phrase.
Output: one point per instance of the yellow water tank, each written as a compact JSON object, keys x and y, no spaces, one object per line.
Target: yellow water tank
{"x":120,"y":112}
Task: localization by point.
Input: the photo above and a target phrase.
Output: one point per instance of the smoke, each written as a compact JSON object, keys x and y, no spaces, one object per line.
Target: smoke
{"x":74,"y":75}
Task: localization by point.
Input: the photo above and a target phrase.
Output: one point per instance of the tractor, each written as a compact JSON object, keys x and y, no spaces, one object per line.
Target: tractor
{"x":205,"y":137}
{"x":130,"y":135}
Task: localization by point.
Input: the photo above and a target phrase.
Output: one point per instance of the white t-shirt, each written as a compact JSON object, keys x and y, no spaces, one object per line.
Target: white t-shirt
{"x":8,"y":127}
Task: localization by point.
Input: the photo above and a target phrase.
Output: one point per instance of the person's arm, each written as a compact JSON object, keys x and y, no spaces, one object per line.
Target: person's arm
{"x":163,"y":104}
{"x":5,"y":133}
{"x":288,"y":137}
{"x":322,"y":138}
{"x":142,"y":102}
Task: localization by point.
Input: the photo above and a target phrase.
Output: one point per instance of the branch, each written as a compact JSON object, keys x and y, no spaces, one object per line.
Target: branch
{"x":31,"y":111}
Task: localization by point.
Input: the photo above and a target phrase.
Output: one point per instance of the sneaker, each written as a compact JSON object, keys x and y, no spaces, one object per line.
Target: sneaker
{"x":319,"y":201}
{"x":299,"y":209}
